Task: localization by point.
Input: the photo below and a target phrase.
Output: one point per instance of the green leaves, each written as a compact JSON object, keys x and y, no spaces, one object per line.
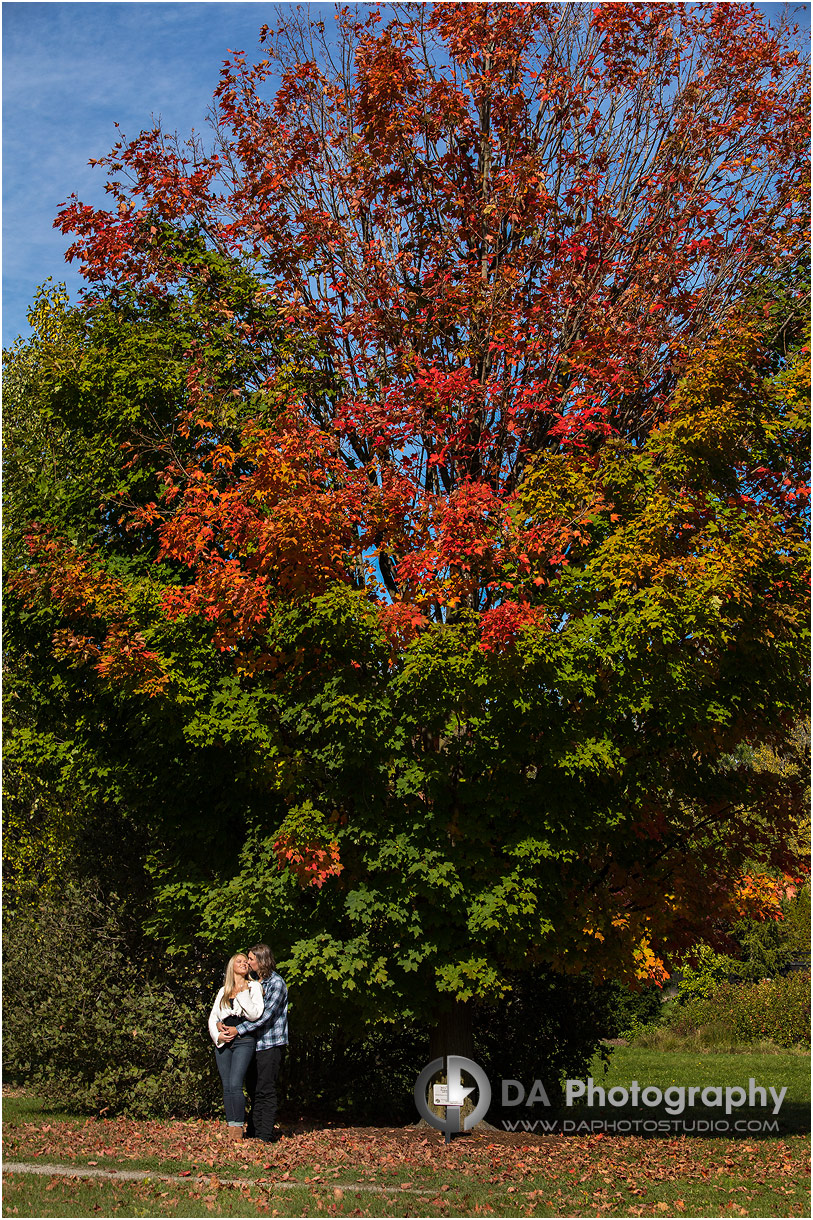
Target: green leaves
{"x":586,"y":516}
{"x":112,"y":1034}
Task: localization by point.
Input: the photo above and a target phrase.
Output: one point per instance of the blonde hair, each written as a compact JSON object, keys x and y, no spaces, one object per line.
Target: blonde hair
{"x":229,"y":981}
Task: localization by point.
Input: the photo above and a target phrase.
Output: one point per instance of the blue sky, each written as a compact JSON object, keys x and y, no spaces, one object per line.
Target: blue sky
{"x":72,"y":70}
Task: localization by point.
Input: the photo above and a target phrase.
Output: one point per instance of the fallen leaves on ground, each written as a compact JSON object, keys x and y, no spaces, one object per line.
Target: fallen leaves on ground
{"x":406,"y":1155}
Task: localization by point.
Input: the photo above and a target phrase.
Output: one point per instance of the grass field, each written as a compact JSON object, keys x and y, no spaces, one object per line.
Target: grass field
{"x":665,"y":1071}
{"x":786,"y":1112}
{"x":189,"y":1170}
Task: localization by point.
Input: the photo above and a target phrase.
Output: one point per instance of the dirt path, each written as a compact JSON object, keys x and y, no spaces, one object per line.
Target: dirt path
{"x":142,"y":1175}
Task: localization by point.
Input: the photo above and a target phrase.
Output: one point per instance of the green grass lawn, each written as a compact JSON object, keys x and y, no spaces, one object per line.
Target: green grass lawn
{"x":597,"y":1178}
{"x":725,"y":1111}
{"x":608,"y":1189}
{"x":664,"y":1069}
{"x":668,"y":1070}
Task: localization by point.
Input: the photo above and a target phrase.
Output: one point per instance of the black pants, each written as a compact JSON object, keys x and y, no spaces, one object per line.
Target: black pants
{"x":261,"y":1082}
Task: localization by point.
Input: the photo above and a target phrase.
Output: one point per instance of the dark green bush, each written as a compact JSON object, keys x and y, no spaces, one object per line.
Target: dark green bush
{"x":549,"y":1028}
{"x":366,"y":1079}
{"x":95,"y":1030}
{"x":768,"y":947}
{"x":629,"y":1011}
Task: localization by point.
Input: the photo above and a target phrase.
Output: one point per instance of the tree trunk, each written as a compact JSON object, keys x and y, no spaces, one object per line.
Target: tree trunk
{"x":453,"y":1034}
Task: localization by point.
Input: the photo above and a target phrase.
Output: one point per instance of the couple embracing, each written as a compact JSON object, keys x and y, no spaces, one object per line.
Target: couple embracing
{"x":249,"y":1027}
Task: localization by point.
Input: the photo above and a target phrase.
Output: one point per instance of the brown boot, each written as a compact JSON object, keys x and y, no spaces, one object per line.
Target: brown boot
{"x":234,"y":1133}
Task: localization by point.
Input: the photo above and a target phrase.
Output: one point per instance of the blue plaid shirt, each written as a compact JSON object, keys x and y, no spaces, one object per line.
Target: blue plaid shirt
{"x":271,"y":1029}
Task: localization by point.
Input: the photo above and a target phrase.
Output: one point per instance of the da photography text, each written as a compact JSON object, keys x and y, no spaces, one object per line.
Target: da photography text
{"x":674,"y":1099}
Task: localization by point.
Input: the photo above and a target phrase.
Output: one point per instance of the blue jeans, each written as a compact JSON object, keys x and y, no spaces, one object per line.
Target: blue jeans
{"x":232,"y":1063}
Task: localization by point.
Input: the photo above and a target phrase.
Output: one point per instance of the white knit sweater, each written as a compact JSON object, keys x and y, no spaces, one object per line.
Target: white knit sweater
{"x":247,"y":1005}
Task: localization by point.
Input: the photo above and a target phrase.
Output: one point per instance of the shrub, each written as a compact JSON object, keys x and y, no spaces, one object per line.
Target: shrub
{"x":702,"y":976}
{"x":769,"y":947}
{"x":778,"y":1009}
{"x":775,"y":1010}
{"x":632,"y":1012}
{"x":94,"y":1029}
{"x":549,"y":1028}
{"x":362,"y":1079}
{"x":765,"y":949}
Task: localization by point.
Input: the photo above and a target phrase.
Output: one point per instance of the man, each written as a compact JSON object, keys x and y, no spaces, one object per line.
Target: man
{"x":271,"y":1034}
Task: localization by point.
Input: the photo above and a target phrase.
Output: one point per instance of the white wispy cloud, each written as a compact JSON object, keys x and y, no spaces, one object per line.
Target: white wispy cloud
{"x":70,"y":72}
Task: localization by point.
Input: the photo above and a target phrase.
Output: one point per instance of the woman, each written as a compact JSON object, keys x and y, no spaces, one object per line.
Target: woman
{"x":239,"y":999}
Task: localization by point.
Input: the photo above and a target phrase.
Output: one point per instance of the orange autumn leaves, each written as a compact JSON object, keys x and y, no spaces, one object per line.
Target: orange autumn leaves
{"x":284,"y":517}
{"x":103,"y":629}
{"x":281,"y":516}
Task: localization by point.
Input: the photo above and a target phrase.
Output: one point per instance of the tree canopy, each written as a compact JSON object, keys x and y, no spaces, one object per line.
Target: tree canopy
{"x":449,"y":552}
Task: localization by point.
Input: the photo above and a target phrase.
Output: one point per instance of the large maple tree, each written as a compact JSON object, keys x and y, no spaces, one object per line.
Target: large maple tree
{"x":502,"y":546}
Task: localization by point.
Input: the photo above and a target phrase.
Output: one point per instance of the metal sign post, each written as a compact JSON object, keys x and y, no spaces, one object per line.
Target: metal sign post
{"x":452,"y":1096}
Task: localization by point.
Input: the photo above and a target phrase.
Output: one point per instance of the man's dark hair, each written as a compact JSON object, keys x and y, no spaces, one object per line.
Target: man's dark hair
{"x":265,"y":960}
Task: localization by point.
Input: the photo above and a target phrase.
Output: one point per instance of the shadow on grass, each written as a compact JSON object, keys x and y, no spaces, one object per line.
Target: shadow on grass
{"x":19,"y":1107}
{"x":703,"y":1122}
